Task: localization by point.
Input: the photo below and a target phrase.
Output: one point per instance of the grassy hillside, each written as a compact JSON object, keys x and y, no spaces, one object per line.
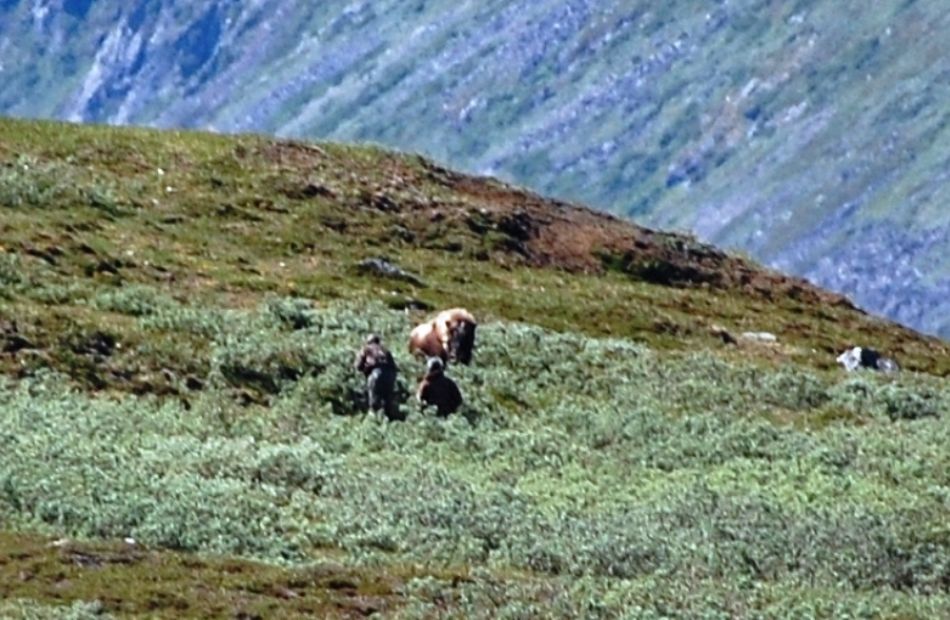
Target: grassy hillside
{"x":811,"y":134}
{"x":178,"y":317}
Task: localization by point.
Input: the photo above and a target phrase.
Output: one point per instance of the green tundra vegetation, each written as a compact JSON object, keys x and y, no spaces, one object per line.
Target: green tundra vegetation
{"x":182,"y":433}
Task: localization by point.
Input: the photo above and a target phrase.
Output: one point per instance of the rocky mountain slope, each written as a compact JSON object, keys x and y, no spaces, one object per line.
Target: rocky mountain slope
{"x":813,"y":135}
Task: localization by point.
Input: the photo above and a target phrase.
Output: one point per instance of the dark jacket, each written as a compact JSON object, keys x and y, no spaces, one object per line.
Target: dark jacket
{"x":438,"y":390}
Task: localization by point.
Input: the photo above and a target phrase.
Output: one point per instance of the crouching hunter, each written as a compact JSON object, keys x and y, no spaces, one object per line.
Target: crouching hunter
{"x":437,"y":390}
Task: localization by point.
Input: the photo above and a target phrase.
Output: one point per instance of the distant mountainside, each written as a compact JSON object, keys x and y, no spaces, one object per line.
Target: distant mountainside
{"x":815,"y":134}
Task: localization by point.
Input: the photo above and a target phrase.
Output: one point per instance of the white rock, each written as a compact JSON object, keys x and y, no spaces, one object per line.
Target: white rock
{"x":759,"y":337}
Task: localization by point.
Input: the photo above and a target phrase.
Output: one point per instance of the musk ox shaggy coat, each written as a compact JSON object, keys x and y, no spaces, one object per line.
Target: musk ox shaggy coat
{"x":450,"y":336}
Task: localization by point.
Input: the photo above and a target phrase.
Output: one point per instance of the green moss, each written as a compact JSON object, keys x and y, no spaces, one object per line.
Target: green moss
{"x":131,"y":581}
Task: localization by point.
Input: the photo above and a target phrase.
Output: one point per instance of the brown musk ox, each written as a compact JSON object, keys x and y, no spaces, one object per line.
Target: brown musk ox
{"x":450,"y":336}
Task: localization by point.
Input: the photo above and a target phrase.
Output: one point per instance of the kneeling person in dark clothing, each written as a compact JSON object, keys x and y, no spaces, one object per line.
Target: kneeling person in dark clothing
{"x":377,"y":364}
{"x":438,"y":390}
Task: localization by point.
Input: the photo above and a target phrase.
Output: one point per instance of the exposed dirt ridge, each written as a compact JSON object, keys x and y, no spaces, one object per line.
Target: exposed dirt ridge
{"x":545,"y":232}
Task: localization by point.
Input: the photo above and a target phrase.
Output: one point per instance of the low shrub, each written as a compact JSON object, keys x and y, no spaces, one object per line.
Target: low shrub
{"x":594,"y":465}
{"x":134,"y":300}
